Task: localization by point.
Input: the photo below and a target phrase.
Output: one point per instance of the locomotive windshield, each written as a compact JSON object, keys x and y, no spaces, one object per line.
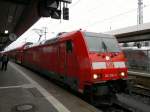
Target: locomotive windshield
{"x":101,"y":43}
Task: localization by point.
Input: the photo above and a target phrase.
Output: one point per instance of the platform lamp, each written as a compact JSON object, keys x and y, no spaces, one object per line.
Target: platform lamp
{"x":6,"y":31}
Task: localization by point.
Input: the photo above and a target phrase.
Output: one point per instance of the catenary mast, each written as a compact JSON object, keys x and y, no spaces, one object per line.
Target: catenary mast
{"x":140,"y":12}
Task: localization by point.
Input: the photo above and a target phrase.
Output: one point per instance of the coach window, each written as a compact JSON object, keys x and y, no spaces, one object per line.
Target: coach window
{"x":69,"y":46}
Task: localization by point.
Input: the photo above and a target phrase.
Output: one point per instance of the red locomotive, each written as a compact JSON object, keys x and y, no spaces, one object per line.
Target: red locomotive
{"x":91,"y":63}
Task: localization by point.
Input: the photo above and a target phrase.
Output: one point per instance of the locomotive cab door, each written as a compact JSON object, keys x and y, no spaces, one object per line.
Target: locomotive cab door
{"x":62,"y":60}
{"x":67,"y":63}
{"x":71,"y":65}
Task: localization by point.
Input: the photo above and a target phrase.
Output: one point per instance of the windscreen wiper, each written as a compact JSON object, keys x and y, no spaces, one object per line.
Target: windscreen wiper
{"x":104,"y":47}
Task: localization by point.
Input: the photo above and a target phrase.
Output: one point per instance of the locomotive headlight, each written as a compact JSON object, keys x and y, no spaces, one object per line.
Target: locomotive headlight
{"x":107,"y":58}
{"x":95,"y":76}
{"x":122,"y":74}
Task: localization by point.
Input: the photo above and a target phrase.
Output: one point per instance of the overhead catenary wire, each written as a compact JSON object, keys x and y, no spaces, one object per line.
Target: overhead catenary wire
{"x":112,"y":17}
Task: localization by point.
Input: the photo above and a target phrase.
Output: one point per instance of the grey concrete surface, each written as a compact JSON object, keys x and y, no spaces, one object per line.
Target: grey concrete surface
{"x":11,"y":78}
{"x":12,"y":97}
{"x":16,"y":90}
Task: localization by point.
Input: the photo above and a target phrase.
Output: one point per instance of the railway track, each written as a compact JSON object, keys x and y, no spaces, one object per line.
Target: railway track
{"x":140,"y":78}
{"x":114,"y":108}
{"x":137,"y":100}
{"x":141,"y":90}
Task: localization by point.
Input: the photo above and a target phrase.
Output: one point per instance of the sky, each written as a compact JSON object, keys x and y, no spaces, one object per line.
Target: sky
{"x":89,"y":15}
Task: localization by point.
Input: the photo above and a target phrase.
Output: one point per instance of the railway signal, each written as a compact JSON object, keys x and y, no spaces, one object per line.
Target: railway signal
{"x":65,"y":13}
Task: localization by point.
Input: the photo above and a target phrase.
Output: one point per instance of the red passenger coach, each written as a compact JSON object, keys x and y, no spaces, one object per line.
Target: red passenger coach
{"x":87,"y":62}
{"x":17,"y":53}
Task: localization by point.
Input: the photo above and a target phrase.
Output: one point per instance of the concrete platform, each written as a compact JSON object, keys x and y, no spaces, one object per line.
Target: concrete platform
{"x":14,"y":94}
{"x":21,"y":89}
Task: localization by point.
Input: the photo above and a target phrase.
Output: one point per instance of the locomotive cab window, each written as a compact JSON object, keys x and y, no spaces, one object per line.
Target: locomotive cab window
{"x":101,"y":42}
{"x":69,"y":46}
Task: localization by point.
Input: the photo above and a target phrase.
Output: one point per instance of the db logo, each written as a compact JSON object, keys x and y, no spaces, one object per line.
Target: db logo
{"x":109,"y":65}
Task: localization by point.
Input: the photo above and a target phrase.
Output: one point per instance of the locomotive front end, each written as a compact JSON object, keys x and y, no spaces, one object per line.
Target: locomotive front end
{"x":108,"y":69}
{"x":108,"y":66}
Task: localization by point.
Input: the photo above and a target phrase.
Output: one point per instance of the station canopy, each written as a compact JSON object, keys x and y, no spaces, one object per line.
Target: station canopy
{"x":16,"y":16}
